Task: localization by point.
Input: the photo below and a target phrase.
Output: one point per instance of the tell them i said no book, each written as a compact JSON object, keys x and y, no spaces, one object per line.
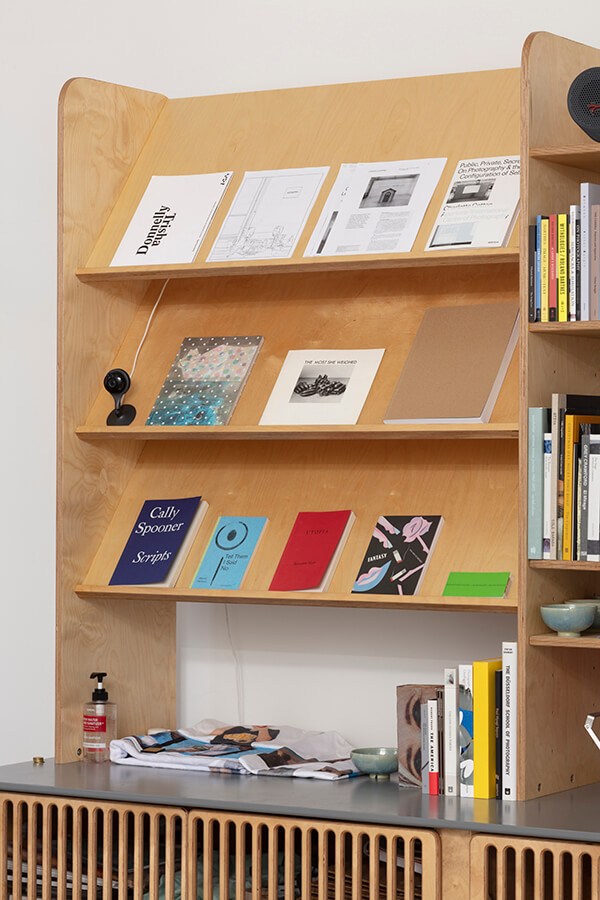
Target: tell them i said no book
{"x":159,"y":542}
{"x":229,"y":552}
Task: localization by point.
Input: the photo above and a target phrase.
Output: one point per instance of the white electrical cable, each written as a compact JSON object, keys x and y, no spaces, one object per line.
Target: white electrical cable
{"x":238,"y":671}
{"x":147,"y":327}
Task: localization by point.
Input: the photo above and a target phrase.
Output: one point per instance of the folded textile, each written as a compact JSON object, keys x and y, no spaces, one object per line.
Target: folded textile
{"x":211,"y":745}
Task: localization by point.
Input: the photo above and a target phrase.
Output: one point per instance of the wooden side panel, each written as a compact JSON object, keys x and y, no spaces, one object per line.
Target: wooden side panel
{"x":102,"y":130}
{"x":558,"y":686}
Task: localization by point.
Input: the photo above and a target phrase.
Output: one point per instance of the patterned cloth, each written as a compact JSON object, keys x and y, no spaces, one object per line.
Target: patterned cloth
{"x":214,"y":746}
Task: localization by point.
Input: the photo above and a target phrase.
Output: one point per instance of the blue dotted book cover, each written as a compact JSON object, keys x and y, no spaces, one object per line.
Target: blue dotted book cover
{"x":229,"y":552}
{"x":159,"y":541}
{"x":205,"y":380}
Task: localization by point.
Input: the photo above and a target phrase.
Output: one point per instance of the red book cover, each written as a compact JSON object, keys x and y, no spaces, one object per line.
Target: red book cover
{"x":310,"y":552}
{"x":552,"y":269}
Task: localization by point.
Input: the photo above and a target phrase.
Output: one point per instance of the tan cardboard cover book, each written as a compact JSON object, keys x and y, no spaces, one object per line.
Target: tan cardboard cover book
{"x":456,"y":365}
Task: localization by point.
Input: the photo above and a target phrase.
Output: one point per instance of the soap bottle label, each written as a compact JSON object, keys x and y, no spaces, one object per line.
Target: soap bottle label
{"x":94,"y":723}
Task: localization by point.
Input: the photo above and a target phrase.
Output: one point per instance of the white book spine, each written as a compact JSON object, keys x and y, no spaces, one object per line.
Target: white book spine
{"x":434,"y":769}
{"x":509,"y":720}
{"x":424,"y":748}
{"x":465,"y":729}
{"x":547,"y":494}
{"x":585,"y":252}
{"x":593,"y":536}
{"x":451,"y":752}
{"x":574,"y":217}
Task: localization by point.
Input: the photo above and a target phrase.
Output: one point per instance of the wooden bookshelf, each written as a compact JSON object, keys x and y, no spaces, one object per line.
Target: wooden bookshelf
{"x":558,"y":684}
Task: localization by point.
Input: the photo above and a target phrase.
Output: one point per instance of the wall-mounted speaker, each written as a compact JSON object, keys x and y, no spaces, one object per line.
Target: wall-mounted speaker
{"x":583,"y":101}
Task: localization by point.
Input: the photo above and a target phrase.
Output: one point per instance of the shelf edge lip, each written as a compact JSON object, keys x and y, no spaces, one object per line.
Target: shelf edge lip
{"x":508,"y":431}
{"x":592,"y":328}
{"x":202,"y":269}
{"x":557,"y":152}
{"x":297,"y":598}
{"x":553,"y":640}
{"x":570,"y":564}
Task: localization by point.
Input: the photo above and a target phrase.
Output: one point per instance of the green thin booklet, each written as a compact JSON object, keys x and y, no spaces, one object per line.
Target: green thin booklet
{"x":478,"y":584}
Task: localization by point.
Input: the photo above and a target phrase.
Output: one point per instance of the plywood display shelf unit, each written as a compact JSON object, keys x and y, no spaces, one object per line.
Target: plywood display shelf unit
{"x":587,"y":642}
{"x":577,"y":155}
{"x":590,"y":329}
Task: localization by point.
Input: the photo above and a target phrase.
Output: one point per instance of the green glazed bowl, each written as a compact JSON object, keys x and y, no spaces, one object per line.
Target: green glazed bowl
{"x":377,"y":762}
{"x":568,"y":619}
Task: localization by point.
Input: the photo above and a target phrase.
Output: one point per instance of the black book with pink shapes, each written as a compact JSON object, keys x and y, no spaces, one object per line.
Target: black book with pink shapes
{"x":398,"y":555}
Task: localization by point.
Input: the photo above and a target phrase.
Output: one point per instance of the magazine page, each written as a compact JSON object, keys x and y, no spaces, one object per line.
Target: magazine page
{"x":268,"y":214}
{"x":375,"y":207}
{"x":481,"y":206}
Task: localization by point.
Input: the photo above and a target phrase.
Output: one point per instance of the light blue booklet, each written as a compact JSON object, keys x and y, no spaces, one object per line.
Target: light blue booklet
{"x":229,"y":552}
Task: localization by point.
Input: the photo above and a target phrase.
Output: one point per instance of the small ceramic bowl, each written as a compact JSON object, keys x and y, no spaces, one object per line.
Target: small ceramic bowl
{"x":595,"y":626}
{"x":568,"y":619}
{"x":377,"y":762}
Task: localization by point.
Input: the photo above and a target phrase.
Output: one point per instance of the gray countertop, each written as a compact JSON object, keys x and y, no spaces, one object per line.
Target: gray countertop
{"x":570,"y":815}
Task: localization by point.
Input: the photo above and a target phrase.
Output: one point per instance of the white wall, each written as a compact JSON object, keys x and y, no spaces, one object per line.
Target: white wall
{"x":314,"y":668}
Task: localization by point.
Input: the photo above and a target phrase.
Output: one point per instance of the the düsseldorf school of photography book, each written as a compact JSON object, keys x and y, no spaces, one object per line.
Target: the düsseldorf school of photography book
{"x":229,"y":552}
{"x":321,"y":387}
{"x":456,"y":365}
{"x":398,"y":555}
{"x":481,"y":206}
{"x":171,"y":219}
{"x":205,"y":380}
{"x":159,"y":542}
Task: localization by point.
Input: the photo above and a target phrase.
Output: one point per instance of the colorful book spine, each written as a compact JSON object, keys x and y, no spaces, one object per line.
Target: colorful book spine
{"x":562,"y":260}
{"x":433,"y":754}
{"x":465,"y":728}
{"x":544,"y":253}
{"x":451,"y":752}
{"x":531,"y":259}
{"x":547,"y":494}
{"x":593,"y":539}
{"x":552,"y":270}
{"x":498,"y":730}
{"x":572,"y":426}
{"x":538,"y":269}
{"x":509,"y":720}
{"x":484,"y":739}
{"x":537,"y":418}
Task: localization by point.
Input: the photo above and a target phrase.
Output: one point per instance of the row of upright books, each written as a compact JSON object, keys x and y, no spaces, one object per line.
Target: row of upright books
{"x":459,"y":738}
{"x":564,"y":479}
{"x":564,"y":262}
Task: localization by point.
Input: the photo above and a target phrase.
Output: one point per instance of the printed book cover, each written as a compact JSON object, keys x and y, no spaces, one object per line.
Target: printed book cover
{"x":229,"y":552}
{"x":171,"y":219}
{"x":481,"y":206}
{"x":159,"y":542}
{"x":398,"y":555}
{"x":321,"y":387}
{"x":312,"y":551}
{"x":412,"y":762}
{"x":205,"y":380}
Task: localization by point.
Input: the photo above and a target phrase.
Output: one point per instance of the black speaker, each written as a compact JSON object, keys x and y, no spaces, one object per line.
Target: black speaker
{"x":583,"y":101}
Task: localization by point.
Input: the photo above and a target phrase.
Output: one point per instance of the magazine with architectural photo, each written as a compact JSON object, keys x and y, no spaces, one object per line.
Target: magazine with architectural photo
{"x":481,"y":206}
{"x":375,"y":207}
{"x":321,"y":387}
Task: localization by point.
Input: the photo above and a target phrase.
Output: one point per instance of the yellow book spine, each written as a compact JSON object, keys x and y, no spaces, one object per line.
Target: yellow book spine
{"x":545,"y":259}
{"x":562,"y":267}
{"x":484,"y":731}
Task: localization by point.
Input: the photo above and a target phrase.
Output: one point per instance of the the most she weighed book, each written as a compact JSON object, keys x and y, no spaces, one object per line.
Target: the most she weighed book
{"x":456,"y":365}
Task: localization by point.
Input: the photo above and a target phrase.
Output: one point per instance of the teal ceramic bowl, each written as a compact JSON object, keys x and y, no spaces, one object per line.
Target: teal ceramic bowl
{"x":568,"y":619}
{"x":377,"y":762}
{"x":596,"y":623}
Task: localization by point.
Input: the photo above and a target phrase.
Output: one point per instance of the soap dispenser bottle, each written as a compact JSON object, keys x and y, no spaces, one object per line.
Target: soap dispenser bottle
{"x":99,"y":723}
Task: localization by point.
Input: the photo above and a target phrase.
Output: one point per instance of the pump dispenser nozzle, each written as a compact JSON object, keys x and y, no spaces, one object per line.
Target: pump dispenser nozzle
{"x":100,"y":693}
